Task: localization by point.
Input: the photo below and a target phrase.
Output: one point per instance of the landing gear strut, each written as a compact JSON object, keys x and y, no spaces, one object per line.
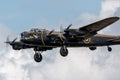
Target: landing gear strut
{"x":109,"y":49}
{"x":63,"y":51}
{"x":37,"y":57}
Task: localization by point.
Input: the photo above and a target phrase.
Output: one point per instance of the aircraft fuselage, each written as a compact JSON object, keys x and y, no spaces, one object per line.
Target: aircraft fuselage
{"x":97,"y":40}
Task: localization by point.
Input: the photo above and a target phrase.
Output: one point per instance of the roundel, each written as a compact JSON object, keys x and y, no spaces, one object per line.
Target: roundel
{"x":87,"y":41}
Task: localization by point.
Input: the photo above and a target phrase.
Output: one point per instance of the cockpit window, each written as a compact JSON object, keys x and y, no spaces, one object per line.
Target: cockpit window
{"x":25,"y":35}
{"x":34,"y":30}
{"x":38,"y":31}
{"x":34,"y":33}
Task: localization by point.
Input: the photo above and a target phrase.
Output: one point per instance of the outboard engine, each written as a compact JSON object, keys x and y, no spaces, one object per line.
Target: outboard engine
{"x":92,"y":48}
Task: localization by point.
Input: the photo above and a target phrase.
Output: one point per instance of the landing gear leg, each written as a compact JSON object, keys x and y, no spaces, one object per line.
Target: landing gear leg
{"x":109,"y":49}
{"x":63,"y":51}
{"x":38,"y":56}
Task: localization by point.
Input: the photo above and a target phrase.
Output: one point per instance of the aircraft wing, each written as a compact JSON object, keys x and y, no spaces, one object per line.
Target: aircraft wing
{"x":93,"y":28}
{"x":114,"y":39}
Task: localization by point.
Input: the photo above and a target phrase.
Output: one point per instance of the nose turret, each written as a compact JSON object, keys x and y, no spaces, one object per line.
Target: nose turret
{"x":35,"y":36}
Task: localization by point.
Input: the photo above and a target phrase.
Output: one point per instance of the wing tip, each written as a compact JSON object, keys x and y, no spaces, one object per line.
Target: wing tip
{"x":116,"y":18}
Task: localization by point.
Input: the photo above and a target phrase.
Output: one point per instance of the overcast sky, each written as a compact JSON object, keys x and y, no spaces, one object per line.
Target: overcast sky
{"x":81,"y":63}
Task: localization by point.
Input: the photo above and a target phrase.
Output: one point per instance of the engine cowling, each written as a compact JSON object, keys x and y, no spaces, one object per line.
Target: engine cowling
{"x":92,"y":48}
{"x":15,"y":47}
{"x":42,"y":48}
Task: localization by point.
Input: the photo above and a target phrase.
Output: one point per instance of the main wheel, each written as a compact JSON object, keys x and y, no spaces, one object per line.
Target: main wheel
{"x":109,"y":49}
{"x":37,"y":57}
{"x":63,"y":51}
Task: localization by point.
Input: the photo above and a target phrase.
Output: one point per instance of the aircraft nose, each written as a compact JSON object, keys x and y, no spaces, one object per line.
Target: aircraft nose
{"x":22,"y":40}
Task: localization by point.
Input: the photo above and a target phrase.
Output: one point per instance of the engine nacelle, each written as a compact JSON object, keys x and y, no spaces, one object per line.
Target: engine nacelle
{"x":42,"y":48}
{"x":16,"y":47}
{"x":92,"y":48}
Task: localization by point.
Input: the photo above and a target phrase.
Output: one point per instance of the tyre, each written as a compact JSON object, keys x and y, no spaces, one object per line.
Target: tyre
{"x":63,"y":52}
{"x":37,"y":57}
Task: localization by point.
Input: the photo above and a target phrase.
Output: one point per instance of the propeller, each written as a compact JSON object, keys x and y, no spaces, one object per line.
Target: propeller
{"x":7,"y":40}
{"x":51,"y":32}
{"x":10,"y":42}
{"x":68,"y":27}
{"x":14,"y":45}
{"x":62,"y":32}
{"x":13,"y":40}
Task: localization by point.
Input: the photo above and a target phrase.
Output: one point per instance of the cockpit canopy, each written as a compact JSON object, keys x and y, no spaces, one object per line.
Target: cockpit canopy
{"x":36,"y":30}
{"x":34,"y":33}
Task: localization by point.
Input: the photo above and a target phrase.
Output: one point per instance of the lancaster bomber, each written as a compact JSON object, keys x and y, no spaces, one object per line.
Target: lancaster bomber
{"x":87,"y":36}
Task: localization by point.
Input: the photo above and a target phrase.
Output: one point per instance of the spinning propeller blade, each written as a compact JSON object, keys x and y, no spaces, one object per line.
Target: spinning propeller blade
{"x":62,"y":31}
{"x":7,"y":40}
{"x":51,"y":32}
{"x":68,"y":27}
{"x":14,"y":40}
{"x":10,"y":42}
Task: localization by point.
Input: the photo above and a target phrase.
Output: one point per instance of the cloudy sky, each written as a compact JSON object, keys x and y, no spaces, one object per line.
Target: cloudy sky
{"x":81,"y":63}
